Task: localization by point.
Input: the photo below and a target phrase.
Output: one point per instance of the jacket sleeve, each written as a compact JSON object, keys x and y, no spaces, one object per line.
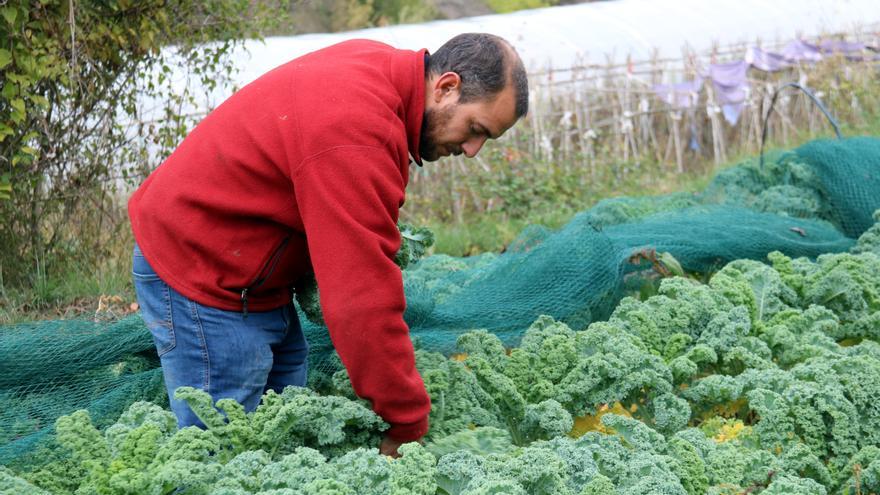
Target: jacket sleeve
{"x":349,"y":199}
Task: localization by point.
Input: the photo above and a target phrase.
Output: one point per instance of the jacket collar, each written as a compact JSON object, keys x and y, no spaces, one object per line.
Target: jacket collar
{"x":408,"y":76}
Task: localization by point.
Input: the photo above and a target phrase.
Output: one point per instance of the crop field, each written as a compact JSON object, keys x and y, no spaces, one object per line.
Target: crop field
{"x":758,"y":374}
{"x":764,"y":380}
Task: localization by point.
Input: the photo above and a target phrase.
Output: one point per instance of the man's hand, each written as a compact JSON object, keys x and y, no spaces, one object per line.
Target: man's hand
{"x":389,"y":446}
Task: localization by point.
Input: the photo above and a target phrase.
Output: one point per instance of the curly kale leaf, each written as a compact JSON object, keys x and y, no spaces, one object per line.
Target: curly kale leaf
{"x":869,"y":242}
{"x":282,"y":422}
{"x":306,"y":295}
{"x":456,"y":470}
{"x":756,"y":286}
{"x":847,"y":284}
{"x":10,"y":484}
{"x":414,"y":244}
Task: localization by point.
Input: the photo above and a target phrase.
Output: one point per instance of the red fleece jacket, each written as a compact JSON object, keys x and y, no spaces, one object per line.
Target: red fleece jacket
{"x":303,"y":169}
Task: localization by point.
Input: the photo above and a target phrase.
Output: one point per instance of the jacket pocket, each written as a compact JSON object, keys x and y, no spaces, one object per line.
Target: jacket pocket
{"x":266,"y":271}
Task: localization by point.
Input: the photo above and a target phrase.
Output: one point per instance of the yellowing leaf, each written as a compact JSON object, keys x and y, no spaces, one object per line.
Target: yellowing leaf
{"x":726,"y":410}
{"x":5,"y":130}
{"x":730,"y":431}
{"x":850,"y":342}
{"x":593,"y":422}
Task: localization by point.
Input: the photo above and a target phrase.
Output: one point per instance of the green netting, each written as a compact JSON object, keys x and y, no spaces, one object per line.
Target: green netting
{"x":849,"y":180}
{"x":816,"y":199}
{"x":705,"y":238}
{"x":52,"y":368}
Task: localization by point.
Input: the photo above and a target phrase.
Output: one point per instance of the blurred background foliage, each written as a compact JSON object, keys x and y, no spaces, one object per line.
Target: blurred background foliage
{"x":70,"y":132}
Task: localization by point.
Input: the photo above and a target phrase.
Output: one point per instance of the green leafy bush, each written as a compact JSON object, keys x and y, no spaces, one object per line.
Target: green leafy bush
{"x":73,"y":127}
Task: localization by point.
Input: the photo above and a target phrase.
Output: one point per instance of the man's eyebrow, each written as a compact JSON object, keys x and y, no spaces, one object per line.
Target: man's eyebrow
{"x":489,"y":132}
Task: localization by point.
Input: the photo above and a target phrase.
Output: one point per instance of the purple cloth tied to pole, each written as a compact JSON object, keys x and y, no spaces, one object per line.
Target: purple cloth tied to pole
{"x":840,"y":46}
{"x":731,"y":86}
{"x":852,"y":50}
{"x":730,"y":79}
{"x":801,"y":51}
{"x":680,"y":95}
{"x":766,"y":61}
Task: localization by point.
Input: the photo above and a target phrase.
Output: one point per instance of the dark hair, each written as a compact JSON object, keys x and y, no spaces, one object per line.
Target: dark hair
{"x":486,"y":64}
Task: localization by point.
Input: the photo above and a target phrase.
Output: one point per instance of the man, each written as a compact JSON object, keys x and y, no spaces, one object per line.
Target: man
{"x":305,"y":169}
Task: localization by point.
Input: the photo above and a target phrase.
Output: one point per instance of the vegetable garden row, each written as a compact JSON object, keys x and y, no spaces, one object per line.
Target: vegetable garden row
{"x":764,"y":380}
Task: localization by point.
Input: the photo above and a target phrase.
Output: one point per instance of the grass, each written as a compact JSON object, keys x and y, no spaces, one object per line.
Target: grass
{"x":74,"y":290}
{"x":493,"y":231}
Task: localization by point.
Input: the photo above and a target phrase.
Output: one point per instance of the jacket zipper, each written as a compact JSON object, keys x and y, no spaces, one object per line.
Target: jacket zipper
{"x":268,"y":268}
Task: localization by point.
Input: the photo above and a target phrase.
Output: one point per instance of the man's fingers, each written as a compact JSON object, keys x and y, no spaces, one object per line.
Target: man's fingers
{"x":389,"y":447}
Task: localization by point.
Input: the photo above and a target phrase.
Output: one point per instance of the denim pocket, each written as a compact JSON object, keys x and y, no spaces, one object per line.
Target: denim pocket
{"x":163,"y":338}
{"x":154,"y":299}
{"x":140,"y":269}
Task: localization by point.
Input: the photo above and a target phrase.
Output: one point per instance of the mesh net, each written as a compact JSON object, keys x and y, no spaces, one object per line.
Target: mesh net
{"x":53,"y":368}
{"x":816,"y":199}
{"x":848,"y":175}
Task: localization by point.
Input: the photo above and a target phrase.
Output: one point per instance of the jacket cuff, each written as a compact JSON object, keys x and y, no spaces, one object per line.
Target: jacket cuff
{"x":408,"y":432}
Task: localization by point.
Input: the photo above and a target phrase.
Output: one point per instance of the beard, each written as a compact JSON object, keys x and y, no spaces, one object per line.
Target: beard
{"x":433,"y":122}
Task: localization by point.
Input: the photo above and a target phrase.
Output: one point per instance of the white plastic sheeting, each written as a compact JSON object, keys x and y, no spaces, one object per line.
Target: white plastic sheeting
{"x":560,"y":37}
{"x":567,"y":36}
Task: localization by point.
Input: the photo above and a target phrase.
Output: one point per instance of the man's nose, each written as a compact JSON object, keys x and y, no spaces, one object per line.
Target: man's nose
{"x":472,"y":146}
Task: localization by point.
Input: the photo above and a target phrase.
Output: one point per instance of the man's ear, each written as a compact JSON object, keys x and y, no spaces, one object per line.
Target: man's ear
{"x":447,"y":85}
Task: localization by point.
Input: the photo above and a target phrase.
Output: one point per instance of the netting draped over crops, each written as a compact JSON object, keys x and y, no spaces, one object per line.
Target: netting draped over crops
{"x":816,"y":199}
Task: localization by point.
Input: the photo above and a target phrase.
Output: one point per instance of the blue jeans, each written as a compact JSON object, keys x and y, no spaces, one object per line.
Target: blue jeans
{"x":221,"y":352}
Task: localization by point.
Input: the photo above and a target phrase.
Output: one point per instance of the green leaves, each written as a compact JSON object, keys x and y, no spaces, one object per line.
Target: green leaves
{"x":10,"y":14}
{"x":18,"y":110}
{"x":5,"y":57}
{"x":71,"y":94}
{"x":5,"y":187}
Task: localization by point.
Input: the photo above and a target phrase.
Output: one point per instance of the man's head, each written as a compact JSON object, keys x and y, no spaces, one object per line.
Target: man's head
{"x":475,"y":89}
